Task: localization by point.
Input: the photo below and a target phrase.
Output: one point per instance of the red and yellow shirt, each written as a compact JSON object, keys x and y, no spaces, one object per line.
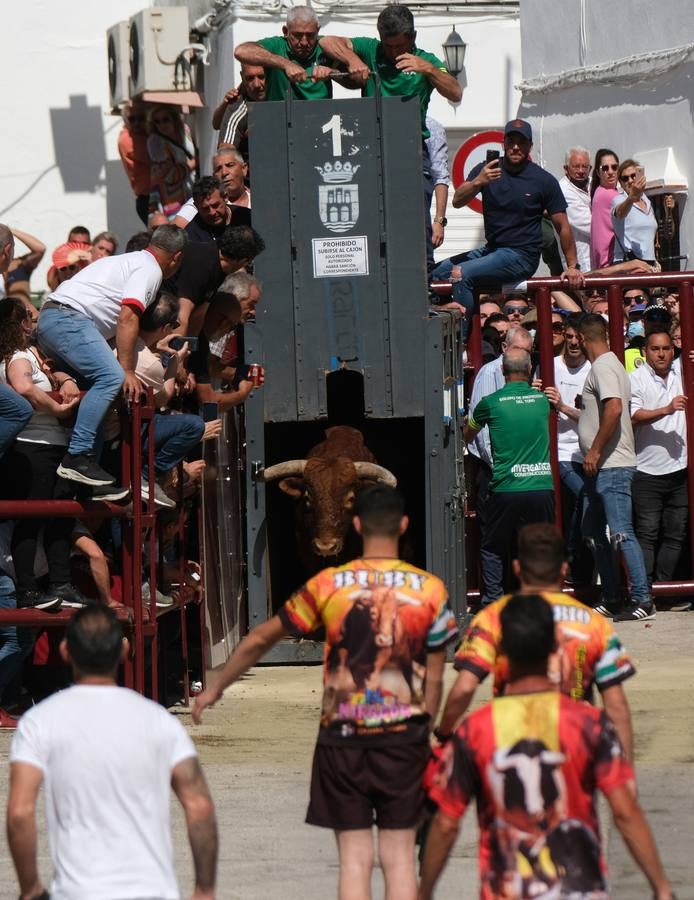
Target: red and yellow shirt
{"x":381,"y":618}
{"x":588,"y":650}
{"x":533,"y":762}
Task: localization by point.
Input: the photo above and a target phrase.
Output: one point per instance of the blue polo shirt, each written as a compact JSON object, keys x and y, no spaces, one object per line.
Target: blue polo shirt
{"x":513,"y":206}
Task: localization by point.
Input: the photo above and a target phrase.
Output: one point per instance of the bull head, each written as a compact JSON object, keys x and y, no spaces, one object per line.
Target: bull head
{"x":326,"y":510}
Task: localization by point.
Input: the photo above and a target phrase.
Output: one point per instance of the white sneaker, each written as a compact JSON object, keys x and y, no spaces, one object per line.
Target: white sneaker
{"x":162,"y":600}
{"x":161,"y":498}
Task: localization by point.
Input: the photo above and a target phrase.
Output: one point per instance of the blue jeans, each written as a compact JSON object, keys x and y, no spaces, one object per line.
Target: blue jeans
{"x":15,"y":643}
{"x":174,"y":438}
{"x":73,"y":342}
{"x":607,"y":501}
{"x":571,"y":475}
{"x":485,"y":267}
{"x":15,"y":412}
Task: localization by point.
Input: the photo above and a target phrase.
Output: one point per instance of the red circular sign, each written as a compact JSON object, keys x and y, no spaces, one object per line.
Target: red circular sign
{"x":474,"y":151}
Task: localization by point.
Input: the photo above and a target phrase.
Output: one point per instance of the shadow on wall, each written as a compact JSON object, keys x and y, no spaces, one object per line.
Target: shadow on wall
{"x":79,"y":145}
{"x":121,"y":217}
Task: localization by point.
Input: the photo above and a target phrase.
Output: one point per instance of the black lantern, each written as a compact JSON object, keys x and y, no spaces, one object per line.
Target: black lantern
{"x":454,"y":48}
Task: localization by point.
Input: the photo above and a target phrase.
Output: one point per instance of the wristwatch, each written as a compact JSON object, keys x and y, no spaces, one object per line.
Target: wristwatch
{"x":440,"y":220}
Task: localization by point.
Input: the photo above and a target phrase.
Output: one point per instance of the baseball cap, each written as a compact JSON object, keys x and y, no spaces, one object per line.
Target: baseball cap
{"x":519,"y":126}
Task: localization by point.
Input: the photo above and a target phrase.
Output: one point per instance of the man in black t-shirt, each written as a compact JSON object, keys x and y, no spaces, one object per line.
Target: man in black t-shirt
{"x":515,"y":193}
{"x":215,"y":213}
{"x":204,"y":268}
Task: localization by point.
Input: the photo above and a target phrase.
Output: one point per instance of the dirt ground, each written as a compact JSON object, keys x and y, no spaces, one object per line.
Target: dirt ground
{"x":256,"y":749}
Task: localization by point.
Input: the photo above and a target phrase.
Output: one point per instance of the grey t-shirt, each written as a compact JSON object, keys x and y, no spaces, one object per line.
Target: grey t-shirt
{"x":607,"y":379}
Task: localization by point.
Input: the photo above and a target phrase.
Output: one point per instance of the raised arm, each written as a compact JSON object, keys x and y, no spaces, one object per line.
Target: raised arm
{"x":36,"y":248}
{"x":126,"y":336}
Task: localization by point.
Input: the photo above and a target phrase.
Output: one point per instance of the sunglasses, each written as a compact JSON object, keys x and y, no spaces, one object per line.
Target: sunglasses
{"x":558,"y":327}
{"x":627,"y":177}
{"x":611,"y":167}
{"x":71,"y":268}
{"x":521,"y":310}
{"x":639,"y":298}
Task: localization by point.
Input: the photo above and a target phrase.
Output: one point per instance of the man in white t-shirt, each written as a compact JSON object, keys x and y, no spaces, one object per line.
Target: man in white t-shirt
{"x":571,"y":368}
{"x":107,"y":758}
{"x":661,"y":503}
{"x":104,"y":301}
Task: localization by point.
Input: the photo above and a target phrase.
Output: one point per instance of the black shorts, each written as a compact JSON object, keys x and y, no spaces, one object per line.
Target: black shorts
{"x":352,"y":787}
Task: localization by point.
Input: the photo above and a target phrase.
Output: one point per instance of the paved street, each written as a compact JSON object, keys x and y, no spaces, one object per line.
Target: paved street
{"x":256,"y":748}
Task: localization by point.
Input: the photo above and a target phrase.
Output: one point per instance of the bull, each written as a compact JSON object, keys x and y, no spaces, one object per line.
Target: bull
{"x":325,"y":485}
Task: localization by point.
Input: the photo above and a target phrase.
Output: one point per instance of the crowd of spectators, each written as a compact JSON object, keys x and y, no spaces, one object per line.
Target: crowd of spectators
{"x":167,"y":314}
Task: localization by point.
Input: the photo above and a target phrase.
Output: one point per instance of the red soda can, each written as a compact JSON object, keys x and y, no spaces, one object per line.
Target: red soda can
{"x":256,"y":374}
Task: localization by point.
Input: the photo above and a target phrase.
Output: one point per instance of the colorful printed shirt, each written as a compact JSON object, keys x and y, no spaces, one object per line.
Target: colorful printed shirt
{"x":276,"y":81}
{"x":381,"y":617}
{"x":518,"y":420}
{"x":589,"y":652}
{"x":395,"y":83}
{"x":533,"y":763}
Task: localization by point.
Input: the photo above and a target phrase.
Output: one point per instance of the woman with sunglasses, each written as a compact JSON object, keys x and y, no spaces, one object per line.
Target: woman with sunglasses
{"x":603,"y":189}
{"x":173,"y":163}
{"x":632,"y":215}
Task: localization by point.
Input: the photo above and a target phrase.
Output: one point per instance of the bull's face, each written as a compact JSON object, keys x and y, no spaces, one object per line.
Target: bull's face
{"x":326,"y":493}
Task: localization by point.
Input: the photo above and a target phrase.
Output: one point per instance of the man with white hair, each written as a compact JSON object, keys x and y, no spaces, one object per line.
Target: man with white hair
{"x":574,"y":186}
{"x":294,"y":59}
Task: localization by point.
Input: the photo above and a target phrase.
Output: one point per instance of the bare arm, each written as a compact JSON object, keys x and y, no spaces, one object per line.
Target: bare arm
{"x":251,"y":53}
{"x":224,"y":399}
{"x":25,"y":781}
{"x":126,"y":337}
{"x":458,"y":700}
{"x":189,"y":785}
{"x":634,"y":194}
{"x":617,"y":708}
{"x":558,"y":404}
{"x":252,"y":648}
{"x":629,"y":266}
{"x":436,"y":662}
{"x":643,"y":416}
{"x":440,"y":840}
{"x":632,"y":825}
{"x":20,"y":379}
{"x":36,"y":248}
{"x":468,"y":190}
{"x":563,"y":301}
{"x":440,"y":204}
{"x":340,"y":50}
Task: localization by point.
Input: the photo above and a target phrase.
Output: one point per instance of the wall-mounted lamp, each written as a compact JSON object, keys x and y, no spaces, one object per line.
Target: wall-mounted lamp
{"x":454,"y":48}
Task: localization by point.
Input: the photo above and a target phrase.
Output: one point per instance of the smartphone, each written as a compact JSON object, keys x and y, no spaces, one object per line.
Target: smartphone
{"x":210,"y":412}
{"x":640,"y":171}
{"x":492,"y":155}
{"x":178,"y":342}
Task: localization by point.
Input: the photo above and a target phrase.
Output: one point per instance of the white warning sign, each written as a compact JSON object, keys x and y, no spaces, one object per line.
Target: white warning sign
{"x":333,"y":257}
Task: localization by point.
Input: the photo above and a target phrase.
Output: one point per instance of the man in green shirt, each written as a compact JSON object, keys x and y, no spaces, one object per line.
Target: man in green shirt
{"x":521,"y":488}
{"x":295,"y":59}
{"x":403,"y":69}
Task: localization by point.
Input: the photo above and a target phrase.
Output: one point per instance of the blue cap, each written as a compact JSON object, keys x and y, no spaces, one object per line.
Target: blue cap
{"x":519,"y":126}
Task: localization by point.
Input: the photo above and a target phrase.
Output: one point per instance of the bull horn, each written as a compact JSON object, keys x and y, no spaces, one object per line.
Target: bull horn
{"x":371,"y":470}
{"x":283,"y":470}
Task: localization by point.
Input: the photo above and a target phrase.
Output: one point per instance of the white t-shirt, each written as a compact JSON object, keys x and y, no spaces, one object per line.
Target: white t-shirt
{"x":42,"y":427}
{"x":579,"y":215}
{"x":569,"y":383}
{"x":106,"y":755}
{"x":99,"y":290}
{"x":661,"y":446}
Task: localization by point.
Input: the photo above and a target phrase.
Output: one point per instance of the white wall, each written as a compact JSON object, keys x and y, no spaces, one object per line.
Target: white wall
{"x":630,"y":118}
{"x":59,"y":142}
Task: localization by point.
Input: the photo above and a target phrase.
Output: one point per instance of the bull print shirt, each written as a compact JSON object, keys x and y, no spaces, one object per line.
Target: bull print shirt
{"x":381,"y":618}
{"x":533,"y":763}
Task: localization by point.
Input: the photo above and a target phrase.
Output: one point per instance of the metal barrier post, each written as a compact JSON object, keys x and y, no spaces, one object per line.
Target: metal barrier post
{"x":615,"y":311}
{"x":687,"y":329}
{"x":546,"y":344}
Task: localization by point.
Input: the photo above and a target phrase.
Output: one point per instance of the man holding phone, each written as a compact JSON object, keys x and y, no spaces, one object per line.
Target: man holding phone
{"x":515,"y":192}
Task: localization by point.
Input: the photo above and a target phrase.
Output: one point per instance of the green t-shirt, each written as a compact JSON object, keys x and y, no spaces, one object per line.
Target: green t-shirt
{"x":276,"y":82}
{"x":518,"y":420}
{"x":395,"y":83}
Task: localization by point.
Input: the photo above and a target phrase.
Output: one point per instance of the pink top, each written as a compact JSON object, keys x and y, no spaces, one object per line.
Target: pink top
{"x":601,"y":231}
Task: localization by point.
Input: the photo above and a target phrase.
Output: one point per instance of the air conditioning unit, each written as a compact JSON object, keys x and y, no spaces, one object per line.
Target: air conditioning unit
{"x":118,"y":65}
{"x":157,"y":37}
